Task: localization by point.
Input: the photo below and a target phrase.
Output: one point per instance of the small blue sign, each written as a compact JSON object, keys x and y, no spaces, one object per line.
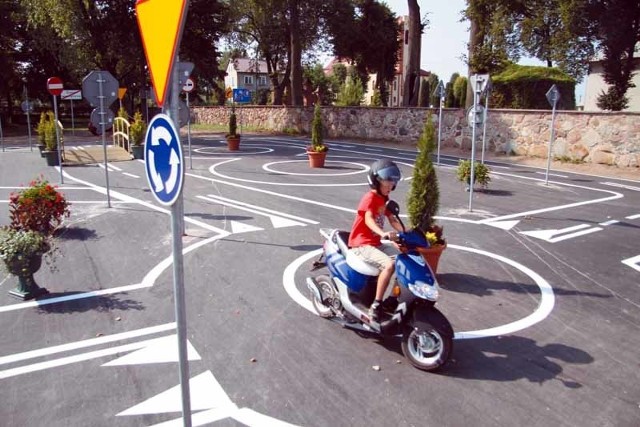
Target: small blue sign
{"x":163,"y":160}
{"x":241,"y":95}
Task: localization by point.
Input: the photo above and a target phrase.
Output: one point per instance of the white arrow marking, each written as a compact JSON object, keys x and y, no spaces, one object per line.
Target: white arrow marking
{"x":174,"y":161}
{"x":238,"y":227}
{"x":161,"y":351}
{"x":505,"y":225}
{"x":155,"y":176}
{"x":206,"y":393}
{"x":279,"y":222}
{"x":547,"y":235}
{"x":160,"y":133}
{"x":633,"y":262}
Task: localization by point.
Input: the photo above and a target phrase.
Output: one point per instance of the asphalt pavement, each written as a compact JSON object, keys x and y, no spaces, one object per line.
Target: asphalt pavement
{"x":539,"y":280}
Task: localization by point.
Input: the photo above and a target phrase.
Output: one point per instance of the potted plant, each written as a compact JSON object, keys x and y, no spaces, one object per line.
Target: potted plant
{"x":40,"y":130}
{"x":21,"y":252}
{"x":35,"y":213}
{"x":137,"y":132}
{"x":233,"y":139}
{"x":50,"y":152}
{"x":480,"y":173}
{"x":317,"y":151}
{"x":423,"y":200}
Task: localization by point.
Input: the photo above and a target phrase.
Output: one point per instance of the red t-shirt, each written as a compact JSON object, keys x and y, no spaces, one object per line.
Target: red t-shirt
{"x":361,"y":234}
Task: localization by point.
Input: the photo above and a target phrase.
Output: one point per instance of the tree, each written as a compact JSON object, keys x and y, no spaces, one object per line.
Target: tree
{"x":351,"y":92}
{"x":413,"y":39}
{"x":449,"y":97}
{"x":618,"y":23}
{"x":459,"y":91}
{"x":434,"y":98}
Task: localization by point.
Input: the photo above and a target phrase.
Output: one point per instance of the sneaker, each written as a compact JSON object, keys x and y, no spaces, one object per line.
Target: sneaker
{"x":374,"y":311}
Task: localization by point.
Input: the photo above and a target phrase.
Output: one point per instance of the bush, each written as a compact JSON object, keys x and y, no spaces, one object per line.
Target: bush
{"x":39,"y":207}
{"x":525,"y":87}
{"x":138,"y":129}
{"x":480,"y":173}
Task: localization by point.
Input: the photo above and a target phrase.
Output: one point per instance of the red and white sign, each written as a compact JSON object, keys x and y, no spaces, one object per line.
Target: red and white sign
{"x":71,"y":95}
{"x":55,"y":86}
{"x":189,"y":86}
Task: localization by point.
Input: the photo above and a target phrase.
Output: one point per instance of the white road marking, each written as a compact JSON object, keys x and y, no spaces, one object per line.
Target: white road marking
{"x":610,"y":222}
{"x":615,"y":184}
{"x":130,"y":174}
{"x":164,"y":350}
{"x":548,"y":235}
{"x":504,"y":225}
{"x":277,"y":221}
{"x":237,"y":203}
{"x":633,"y":216}
{"x":553,"y":174}
{"x":240,"y":227}
{"x":633,"y":262}
{"x":364,"y":169}
{"x":86,"y":343}
{"x":547,"y":300}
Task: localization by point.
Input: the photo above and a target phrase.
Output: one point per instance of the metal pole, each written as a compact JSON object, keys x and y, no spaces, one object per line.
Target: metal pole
{"x":177,"y":228}
{"x":440,"y":129}
{"x":476,"y":91}
{"x":55,"y":112}
{"x":553,"y":135}
{"x":73,"y":123}
{"x":26,"y":96}
{"x":484,"y":123}
{"x":189,"y":133}
{"x":104,"y":142}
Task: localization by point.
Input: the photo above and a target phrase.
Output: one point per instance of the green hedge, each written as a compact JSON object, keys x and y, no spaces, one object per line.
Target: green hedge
{"x":525,"y":87}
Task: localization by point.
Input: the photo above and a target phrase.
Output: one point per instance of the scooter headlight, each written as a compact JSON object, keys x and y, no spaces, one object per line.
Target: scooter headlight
{"x":424,"y":290}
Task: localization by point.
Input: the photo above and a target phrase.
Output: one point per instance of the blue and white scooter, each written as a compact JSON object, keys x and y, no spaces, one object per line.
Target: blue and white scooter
{"x":409,"y":305}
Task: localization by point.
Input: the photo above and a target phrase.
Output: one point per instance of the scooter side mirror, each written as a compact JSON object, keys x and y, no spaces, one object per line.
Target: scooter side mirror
{"x":393,"y":207}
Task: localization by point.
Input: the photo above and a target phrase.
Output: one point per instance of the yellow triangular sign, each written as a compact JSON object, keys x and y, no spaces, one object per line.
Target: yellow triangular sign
{"x":160,"y":23}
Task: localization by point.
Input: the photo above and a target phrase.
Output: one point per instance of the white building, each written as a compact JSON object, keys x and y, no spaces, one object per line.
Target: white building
{"x":595,"y":85}
{"x":245,"y":73}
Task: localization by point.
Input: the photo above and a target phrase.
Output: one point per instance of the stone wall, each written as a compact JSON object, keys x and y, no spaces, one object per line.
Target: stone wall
{"x":597,"y":137}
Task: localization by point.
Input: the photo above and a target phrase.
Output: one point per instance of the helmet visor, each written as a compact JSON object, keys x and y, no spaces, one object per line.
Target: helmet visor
{"x":391,"y":173}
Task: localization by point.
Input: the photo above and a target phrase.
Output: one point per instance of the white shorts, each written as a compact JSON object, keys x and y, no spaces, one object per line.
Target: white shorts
{"x":380,"y":256}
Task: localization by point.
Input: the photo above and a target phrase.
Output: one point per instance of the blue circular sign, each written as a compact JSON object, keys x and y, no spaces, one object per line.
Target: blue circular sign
{"x":163,"y":160}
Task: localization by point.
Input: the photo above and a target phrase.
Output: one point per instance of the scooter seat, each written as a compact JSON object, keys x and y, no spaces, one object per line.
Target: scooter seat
{"x":360,"y":265}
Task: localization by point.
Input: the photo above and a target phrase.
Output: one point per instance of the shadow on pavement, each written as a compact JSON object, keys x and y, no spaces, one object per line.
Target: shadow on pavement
{"x":101,"y":304}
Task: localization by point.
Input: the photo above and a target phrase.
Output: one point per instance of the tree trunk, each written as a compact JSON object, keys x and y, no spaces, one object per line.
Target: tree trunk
{"x":412,"y":70}
{"x":296,"y":55}
{"x":475,"y":41}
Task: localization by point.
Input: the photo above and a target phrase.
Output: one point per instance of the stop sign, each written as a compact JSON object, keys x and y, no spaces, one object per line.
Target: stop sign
{"x":54,"y":86}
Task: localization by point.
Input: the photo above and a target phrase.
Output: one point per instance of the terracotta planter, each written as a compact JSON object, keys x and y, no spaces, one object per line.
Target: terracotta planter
{"x":432,"y":255}
{"x":233,"y":143}
{"x":24,"y":268}
{"x":316,"y":159}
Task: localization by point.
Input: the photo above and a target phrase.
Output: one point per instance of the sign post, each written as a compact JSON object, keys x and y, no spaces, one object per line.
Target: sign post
{"x":27,"y":108}
{"x":478,"y":84}
{"x":188,"y":87}
{"x":71,"y":95}
{"x":441,"y":93}
{"x":553,"y":96}
{"x":100,"y":89}
{"x":161,"y":23}
{"x":484,"y":118}
{"x":55,"y":87}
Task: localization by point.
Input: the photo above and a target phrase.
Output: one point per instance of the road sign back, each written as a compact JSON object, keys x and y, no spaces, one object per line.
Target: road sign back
{"x":161,"y":23}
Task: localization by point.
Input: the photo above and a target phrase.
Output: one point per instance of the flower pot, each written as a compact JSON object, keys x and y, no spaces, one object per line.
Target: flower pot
{"x":432,"y":255}
{"x":316,"y":158}
{"x":41,"y":148}
{"x":137,"y":151}
{"x":51,"y":158}
{"x":23,"y":267}
{"x":233,"y":143}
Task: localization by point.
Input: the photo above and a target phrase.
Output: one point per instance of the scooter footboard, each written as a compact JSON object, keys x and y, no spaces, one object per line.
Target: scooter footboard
{"x":431,"y":316}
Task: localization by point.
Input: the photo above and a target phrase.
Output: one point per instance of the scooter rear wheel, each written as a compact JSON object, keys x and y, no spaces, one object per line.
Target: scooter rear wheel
{"x":328,"y":293}
{"x":427,"y":349}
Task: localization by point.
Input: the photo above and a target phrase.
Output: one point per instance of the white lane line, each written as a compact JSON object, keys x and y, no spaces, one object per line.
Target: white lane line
{"x":130,"y":174}
{"x":375,"y":150}
{"x":553,"y":174}
{"x":77,"y":358}
{"x":86,"y":343}
{"x":110,"y":167}
{"x":633,"y":262}
{"x":610,"y":222}
{"x":615,"y":184}
{"x":577,"y":234}
{"x":237,"y":203}
{"x":633,"y":216}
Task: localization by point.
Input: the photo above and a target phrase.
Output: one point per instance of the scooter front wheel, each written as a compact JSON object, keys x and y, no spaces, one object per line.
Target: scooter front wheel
{"x":426,"y":348}
{"x":327,"y":291}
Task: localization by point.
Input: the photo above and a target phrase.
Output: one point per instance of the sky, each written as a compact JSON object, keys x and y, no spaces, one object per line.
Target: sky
{"x":445,"y":40}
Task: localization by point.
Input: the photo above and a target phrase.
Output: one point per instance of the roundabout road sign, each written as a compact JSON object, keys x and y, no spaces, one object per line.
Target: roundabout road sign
{"x":163,"y":160}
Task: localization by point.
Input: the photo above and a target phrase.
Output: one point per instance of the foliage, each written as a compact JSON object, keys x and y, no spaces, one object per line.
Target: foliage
{"x":521,"y":86}
{"x":460,"y":92}
{"x":423,"y":95}
{"x":39,"y":207}
{"x":50,"y":137}
{"x":376,"y":98}
{"x":435,"y":235}
{"x":233,"y":124}
{"x":434,"y":98}
{"x":17,"y":243}
{"x":449,"y":97}
{"x":41,"y":128}
{"x":480,"y":173}
{"x":317,"y":136}
{"x":351,"y":93}
{"x":423,"y":200}
{"x":138,"y":129}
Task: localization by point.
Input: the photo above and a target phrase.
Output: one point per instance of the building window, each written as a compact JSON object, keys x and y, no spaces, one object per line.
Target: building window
{"x":248,"y":80}
{"x":262,"y":80}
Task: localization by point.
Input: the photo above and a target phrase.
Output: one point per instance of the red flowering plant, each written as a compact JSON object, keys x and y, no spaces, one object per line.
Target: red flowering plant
{"x":39,"y":207}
